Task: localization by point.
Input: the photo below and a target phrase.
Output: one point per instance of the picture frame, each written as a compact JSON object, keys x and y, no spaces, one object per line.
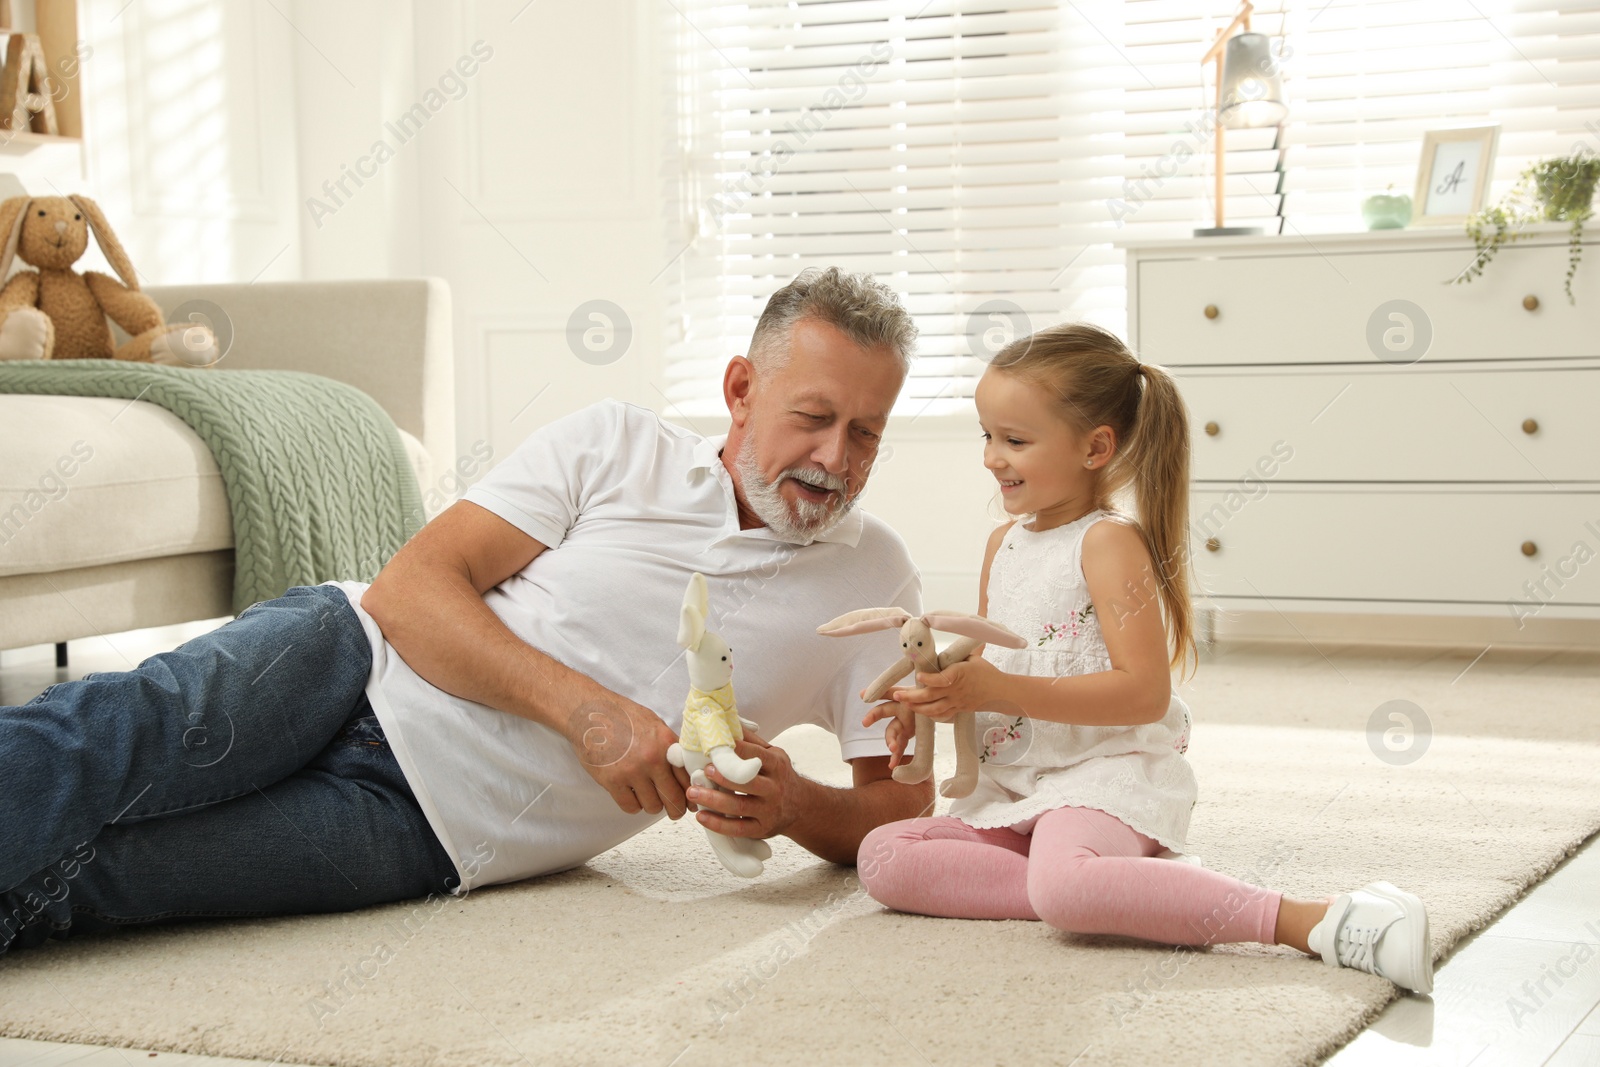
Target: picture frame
{"x":1453,"y":174}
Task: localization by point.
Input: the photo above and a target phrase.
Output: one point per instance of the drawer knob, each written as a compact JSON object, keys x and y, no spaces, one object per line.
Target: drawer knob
{"x":1529,"y":548}
{"x":1530,"y":425}
{"x":1212,"y":429}
{"x":1213,"y":545}
{"x":1211,"y":311}
{"x":1530,"y":302}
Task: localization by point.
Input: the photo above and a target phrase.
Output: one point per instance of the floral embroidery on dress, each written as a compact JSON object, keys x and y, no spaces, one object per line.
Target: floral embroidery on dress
{"x":996,"y":737}
{"x":1061,"y":631}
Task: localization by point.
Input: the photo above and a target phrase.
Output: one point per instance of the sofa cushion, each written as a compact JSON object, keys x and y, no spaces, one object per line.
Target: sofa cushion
{"x":92,"y":480}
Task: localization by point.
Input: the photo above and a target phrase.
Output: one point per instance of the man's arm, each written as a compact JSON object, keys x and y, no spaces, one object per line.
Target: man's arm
{"x":835,"y":820}
{"x":824,"y":819}
{"x":428,"y":601}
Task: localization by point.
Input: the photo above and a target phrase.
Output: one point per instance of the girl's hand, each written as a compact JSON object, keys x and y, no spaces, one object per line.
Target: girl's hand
{"x":971,"y":685}
{"x":900,"y":731}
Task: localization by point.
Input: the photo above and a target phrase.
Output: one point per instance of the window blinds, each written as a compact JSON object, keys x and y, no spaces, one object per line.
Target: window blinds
{"x":980,"y":156}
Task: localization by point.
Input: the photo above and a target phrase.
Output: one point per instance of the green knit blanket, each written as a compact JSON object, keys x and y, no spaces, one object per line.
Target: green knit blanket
{"x":318,"y":482}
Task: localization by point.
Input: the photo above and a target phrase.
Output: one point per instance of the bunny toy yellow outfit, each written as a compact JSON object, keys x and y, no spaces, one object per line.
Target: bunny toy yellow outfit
{"x":710,"y":718}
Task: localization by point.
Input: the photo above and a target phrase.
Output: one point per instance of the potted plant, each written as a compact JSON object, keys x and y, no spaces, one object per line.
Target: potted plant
{"x":1551,"y":190}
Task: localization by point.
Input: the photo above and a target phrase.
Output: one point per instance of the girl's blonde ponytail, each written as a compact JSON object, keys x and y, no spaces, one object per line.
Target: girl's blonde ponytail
{"x":1158,"y":467}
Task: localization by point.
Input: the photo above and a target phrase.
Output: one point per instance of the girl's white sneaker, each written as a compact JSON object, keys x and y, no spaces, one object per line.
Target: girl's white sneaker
{"x":1381,"y":930}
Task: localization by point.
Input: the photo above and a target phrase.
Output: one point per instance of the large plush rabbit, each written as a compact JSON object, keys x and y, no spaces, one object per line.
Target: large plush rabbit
{"x":56,"y":313}
{"x":711,"y":724}
{"x":916,"y":639}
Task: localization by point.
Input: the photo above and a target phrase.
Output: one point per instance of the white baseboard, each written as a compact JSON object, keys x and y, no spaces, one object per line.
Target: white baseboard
{"x":112,"y":650}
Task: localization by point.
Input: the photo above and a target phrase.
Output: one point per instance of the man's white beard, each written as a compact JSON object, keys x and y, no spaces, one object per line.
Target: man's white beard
{"x":808,"y":519}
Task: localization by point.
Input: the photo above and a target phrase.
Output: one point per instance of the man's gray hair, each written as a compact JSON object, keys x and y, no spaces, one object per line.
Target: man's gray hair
{"x":866,"y":310}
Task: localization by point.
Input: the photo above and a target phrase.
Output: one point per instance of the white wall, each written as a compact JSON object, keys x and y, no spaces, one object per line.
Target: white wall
{"x":352,"y":72}
{"x":185,"y":124}
{"x":545,"y":197}
{"x":531,"y":186}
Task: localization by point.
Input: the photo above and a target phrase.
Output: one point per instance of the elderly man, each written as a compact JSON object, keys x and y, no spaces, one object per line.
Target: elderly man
{"x":499,"y":702}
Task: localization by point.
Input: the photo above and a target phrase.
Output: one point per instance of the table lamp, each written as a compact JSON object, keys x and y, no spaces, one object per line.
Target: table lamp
{"x":1249,"y":93}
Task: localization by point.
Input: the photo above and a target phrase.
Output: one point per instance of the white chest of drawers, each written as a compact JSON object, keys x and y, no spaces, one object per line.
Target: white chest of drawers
{"x":1371,"y":441}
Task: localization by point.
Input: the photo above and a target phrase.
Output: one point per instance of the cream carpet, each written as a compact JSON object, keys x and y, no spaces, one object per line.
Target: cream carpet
{"x":651,"y":955}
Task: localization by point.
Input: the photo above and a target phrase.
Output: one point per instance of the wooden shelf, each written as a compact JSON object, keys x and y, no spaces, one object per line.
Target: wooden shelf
{"x":21,"y":142}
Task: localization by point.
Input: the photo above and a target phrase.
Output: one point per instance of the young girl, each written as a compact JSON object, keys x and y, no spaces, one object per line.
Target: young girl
{"x":1084,"y":793}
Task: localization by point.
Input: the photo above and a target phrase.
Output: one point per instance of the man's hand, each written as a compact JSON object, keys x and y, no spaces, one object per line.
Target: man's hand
{"x":623,"y":746}
{"x":971,"y":685}
{"x":765,"y":806}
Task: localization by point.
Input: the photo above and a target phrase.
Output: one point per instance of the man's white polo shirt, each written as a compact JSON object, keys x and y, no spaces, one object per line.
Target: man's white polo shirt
{"x":628,"y":507}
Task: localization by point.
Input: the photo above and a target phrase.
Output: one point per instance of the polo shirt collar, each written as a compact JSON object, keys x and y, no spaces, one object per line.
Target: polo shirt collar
{"x":706,"y":457}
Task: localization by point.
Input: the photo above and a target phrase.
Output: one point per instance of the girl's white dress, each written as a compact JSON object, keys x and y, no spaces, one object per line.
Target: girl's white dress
{"x":1029,"y":766}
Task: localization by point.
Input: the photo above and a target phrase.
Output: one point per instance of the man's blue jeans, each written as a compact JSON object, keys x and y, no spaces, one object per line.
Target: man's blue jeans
{"x":241,"y":774}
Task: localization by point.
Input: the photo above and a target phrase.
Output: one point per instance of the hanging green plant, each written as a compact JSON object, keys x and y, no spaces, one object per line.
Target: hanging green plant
{"x":1551,"y":190}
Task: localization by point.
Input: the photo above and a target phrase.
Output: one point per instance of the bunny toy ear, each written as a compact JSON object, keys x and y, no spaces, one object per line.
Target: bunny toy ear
{"x":974,"y":626}
{"x":864,"y":621}
{"x":692,"y":617}
{"x":108,"y":240}
{"x":13,"y":213}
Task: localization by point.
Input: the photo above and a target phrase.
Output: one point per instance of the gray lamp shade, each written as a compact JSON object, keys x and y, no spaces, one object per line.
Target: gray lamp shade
{"x":1252,"y":87}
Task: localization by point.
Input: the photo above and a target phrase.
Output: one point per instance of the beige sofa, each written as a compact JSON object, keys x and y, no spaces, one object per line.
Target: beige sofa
{"x":138,"y":533}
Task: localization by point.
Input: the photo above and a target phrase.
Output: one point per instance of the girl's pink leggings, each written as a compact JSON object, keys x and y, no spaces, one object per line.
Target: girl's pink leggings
{"x":1081,"y":870}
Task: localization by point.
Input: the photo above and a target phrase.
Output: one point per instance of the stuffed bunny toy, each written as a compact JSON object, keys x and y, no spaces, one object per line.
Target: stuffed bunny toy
{"x":916,"y":639}
{"x":711,"y":724}
{"x":56,"y":313}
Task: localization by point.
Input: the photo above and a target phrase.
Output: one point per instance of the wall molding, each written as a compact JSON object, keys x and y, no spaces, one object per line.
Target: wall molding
{"x":485,"y":328}
{"x":633,"y":195}
{"x":153,"y":196}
